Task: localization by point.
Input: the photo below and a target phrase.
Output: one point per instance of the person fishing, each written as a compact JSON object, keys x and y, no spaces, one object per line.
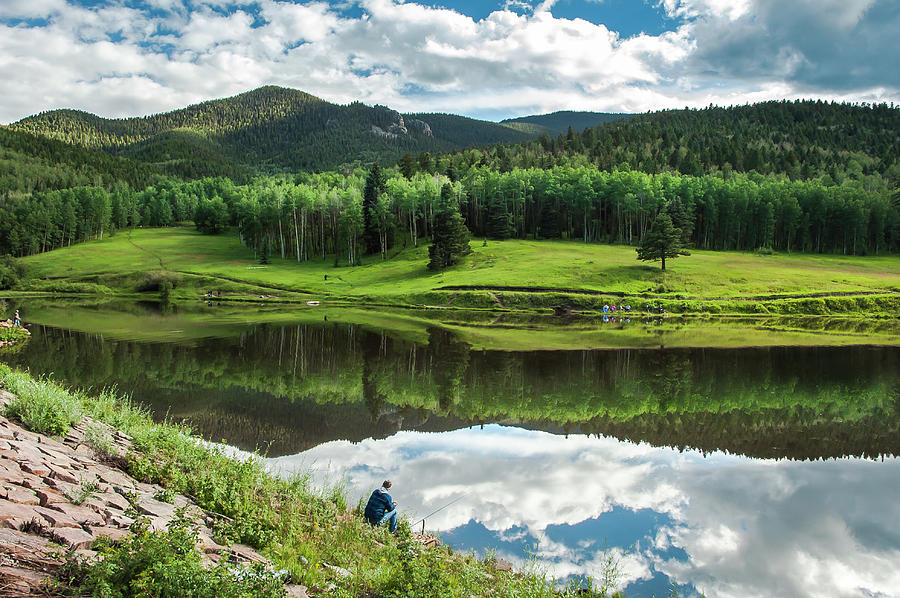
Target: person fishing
{"x":17,"y":321}
{"x":381,"y":508}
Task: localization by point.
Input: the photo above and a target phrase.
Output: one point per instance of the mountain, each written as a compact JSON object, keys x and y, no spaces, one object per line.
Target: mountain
{"x":557,"y":123}
{"x":32,"y":163}
{"x":267,"y":129}
{"x":802,"y":139}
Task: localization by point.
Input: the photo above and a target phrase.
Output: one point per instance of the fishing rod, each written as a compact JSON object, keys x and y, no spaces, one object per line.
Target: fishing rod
{"x":422,"y":520}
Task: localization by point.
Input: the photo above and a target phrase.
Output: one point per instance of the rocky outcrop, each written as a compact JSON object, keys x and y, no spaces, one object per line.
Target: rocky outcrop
{"x":419,"y":127}
{"x":59,"y":492}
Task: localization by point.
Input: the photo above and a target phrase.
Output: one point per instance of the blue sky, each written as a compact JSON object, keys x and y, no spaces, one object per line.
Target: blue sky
{"x":492,"y":59}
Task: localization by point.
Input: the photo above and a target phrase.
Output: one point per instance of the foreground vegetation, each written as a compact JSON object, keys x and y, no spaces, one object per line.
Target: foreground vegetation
{"x":520,"y":275}
{"x":301,"y":528}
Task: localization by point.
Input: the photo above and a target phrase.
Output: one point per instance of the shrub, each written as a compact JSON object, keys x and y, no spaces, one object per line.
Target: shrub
{"x":11,"y":272}
{"x":40,"y":405}
{"x":166,"y":564}
{"x":159,"y":280}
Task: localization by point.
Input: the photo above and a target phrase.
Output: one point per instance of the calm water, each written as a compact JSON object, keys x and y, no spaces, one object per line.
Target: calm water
{"x":737,"y":472}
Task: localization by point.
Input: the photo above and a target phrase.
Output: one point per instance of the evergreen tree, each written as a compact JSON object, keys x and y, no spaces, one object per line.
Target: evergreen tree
{"x":375,"y":186}
{"x":450,"y":237}
{"x":661,"y":241}
{"x":499,"y":220}
{"x":407,"y":165}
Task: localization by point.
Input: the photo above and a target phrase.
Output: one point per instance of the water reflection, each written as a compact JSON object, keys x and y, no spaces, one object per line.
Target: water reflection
{"x":699,"y":466}
{"x":720,"y":524}
{"x":288,"y":388}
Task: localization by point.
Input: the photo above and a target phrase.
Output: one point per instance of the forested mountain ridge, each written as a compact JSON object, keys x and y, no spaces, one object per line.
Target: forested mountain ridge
{"x":800,"y":139}
{"x":268,"y":129}
{"x":32,"y":164}
{"x":557,"y":123}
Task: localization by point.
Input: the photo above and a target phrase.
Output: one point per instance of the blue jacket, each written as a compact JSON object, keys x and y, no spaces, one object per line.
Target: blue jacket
{"x":379,"y":503}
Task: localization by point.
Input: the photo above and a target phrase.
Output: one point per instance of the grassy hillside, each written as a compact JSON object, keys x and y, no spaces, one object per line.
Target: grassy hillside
{"x":557,"y":123}
{"x":509,"y":274}
{"x":270,"y":128}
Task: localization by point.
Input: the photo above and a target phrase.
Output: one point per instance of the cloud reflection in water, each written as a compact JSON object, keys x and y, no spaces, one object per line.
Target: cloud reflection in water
{"x":724,"y":524}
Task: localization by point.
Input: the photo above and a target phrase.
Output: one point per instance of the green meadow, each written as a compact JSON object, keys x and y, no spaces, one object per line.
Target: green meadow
{"x":510,"y":274}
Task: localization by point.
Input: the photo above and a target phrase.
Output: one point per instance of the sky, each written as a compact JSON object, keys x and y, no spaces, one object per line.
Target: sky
{"x":725,"y":525}
{"x":489,"y":59}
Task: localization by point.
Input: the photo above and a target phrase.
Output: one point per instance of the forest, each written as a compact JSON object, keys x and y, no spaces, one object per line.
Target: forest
{"x":313,"y":216}
{"x":783,"y":176}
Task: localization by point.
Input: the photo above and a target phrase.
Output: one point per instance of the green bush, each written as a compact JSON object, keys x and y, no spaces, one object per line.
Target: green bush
{"x":61,"y":286}
{"x":40,"y":405}
{"x":166,"y":564}
{"x":159,"y":281}
{"x":11,"y":272}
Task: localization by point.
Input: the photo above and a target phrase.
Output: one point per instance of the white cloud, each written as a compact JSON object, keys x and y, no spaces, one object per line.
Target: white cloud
{"x":418,"y":58}
{"x":749,"y":527}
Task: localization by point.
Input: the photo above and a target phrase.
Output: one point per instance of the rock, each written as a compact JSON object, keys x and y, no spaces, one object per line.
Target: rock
{"x":502,"y":565}
{"x":73,"y":537}
{"x":156,"y":508}
{"x":14,"y":515}
{"x":84,"y":555}
{"x":118,"y":519}
{"x":59,"y":473}
{"x":114,"y":500}
{"x":56,"y":518}
{"x":22,"y":496}
{"x":32,"y":481}
{"x":115,"y":534}
{"x":80,"y":513}
{"x":340,"y":571}
{"x":11,"y":539}
{"x":116,"y":478}
{"x":34,"y":468}
{"x":10,"y":472}
{"x":47,"y":497}
{"x":242,"y":553}
{"x":295,"y":591}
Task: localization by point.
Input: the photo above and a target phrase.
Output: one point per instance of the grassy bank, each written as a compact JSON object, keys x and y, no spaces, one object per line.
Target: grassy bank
{"x":517,"y":275}
{"x":305,"y":530}
{"x":191,"y":321}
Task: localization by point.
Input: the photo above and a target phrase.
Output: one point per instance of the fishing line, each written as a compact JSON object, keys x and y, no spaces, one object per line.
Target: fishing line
{"x":455,"y":500}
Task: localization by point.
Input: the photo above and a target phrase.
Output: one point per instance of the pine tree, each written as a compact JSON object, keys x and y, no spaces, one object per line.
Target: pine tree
{"x":407,"y":165}
{"x":450,"y":237}
{"x":499,"y":221}
{"x":375,"y":186}
{"x":661,"y":241}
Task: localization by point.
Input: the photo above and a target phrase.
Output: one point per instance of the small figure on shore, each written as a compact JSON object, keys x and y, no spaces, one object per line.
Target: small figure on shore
{"x":17,"y":322}
{"x":605,"y":308}
{"x":381,"y":508}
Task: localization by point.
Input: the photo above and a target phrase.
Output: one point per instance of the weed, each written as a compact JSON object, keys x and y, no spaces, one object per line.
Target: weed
{"x":41,"y":405}
{"x":166,"y":564}
{"x":85,"y":490}
{"x":99,"y":438}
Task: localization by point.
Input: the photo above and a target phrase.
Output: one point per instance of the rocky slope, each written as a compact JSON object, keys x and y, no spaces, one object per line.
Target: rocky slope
{"x":42,"y":479}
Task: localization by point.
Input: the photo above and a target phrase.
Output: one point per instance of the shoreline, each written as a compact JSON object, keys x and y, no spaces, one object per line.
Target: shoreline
{"x":59,"y":447}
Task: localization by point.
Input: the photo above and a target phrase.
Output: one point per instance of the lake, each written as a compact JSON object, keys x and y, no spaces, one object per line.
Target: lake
{"x":728,"y":470}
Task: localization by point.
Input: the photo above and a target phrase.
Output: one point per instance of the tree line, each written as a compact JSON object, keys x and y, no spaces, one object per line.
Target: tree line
{"x":337,"y":216}
{"x":800,"y":139}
